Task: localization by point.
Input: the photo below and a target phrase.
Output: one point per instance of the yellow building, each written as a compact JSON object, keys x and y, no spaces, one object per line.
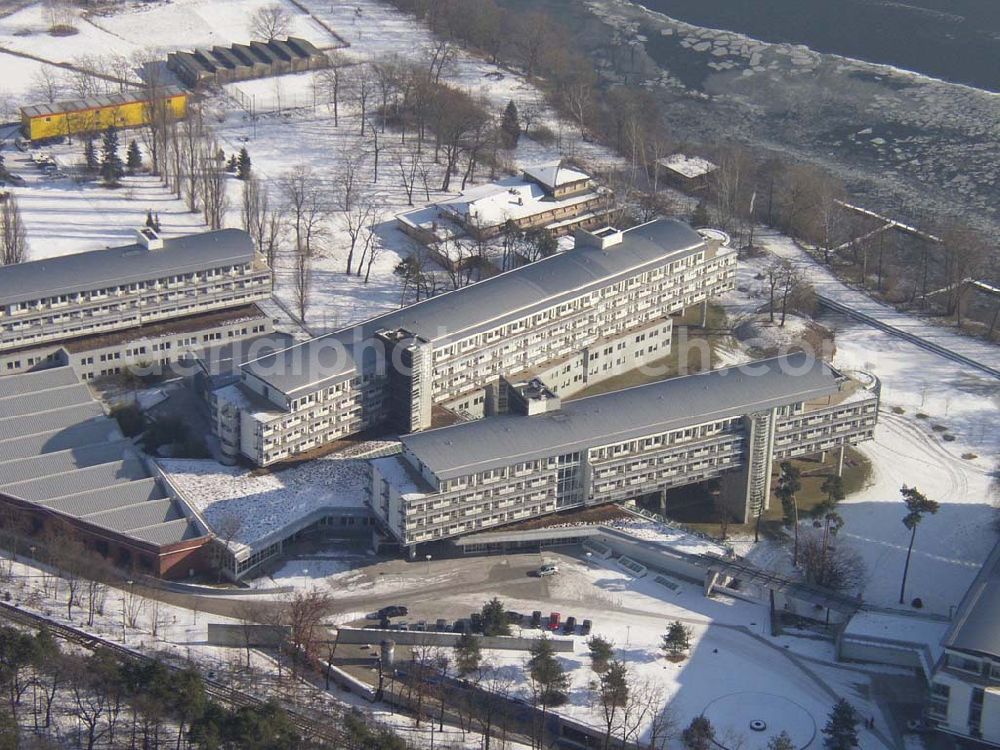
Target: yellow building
{"x":125,"y":110}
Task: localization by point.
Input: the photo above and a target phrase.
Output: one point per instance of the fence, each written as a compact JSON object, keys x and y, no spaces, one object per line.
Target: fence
{"x":372,"y":636}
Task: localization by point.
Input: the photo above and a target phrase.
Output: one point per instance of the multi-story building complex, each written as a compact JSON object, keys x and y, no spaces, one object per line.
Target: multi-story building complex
{"x":546,"y":196}
{"x":547,"y":456}
{"x":965,"y":687}
{"x":579,"y":317}
{"x":144,"y":303}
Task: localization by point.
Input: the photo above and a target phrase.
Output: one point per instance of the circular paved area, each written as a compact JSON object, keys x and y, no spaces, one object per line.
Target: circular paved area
{"x":755,"y":718}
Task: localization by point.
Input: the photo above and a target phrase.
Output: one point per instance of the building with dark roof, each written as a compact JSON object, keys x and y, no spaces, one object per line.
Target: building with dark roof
{"x":965,"y":688}
{"x":243,"y":62}
{"x":548,"y":456}
{"x":104,"y":310}
{"x":574,"y":319}
{"x":62,"y":461}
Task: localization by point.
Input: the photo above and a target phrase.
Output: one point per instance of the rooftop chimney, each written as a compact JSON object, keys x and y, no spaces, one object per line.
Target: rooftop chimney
{"x":149,"y":239}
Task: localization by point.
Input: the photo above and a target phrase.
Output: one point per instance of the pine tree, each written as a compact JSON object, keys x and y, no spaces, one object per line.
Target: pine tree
{"x":467,"y":654}
{"x":917,"y":505}
{"x":781,"y":742}
{"x":243,"y":164}
{"x":495,"y":618}
{"x":133,"y":157}
{"x":231,"y":164}
{"x":841,"y":728}
{"x":833,"y":486}
{"x":90,"y":155}
{"x":149,"y":220}
{"x":790,"y":482}
{"x":547,"y":673}
{"x":601,"y":652}
{"x":677,"y":639}
{"x":111,"y":163}
{"x":510,"y":125}
{"x":156,"y":222}
{"x":699,"y":735}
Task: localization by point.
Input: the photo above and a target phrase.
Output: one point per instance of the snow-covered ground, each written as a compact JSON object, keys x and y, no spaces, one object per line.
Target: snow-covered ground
{"x":731,"y":654}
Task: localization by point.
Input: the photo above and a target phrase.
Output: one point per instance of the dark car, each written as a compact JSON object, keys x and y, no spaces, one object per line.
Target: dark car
{"x":476,"y":621}
{"x":442,"y":625}
{"x":393,"y":611}
{"x":514,"y":618}
{"x":570,"y":627}
{"x":585,"y":628}
{"x":462,"y":626}
{"x":536,"y":618}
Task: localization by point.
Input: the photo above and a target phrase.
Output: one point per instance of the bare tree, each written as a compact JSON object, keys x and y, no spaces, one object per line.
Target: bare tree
{"x":304,"y":613}
{"x":270,"y":22}
{"x":260,"y":220}
{"x":371,"y":248}
{"x":48,"y":84}
{"x":13,"y":234}
{"x":362,"y":85}
{"x":301,"y":279}
{"x":329,"y":82}
{"x":408,"y":160}
{"x":308,"y":207}
{"x":214,"y":179}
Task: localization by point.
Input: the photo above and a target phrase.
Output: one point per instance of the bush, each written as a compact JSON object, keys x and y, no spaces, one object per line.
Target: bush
{"x":543,"y":135}
{"x":129,"y":418}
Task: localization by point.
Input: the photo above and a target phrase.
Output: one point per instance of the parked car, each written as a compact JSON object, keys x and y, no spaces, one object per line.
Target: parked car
{"x":421,"y":626}
{"x":395,"y":610}
{"x":442,"y":625}
{"x":548,"y":569}
{"x":462,"y":626}
{"x":476,"y":622}
{"x":585,"y":628}
{"x":536,"y":618}
{"x":570,"y":627}
{"x":514,"y":618}
{"x":553,"y":623}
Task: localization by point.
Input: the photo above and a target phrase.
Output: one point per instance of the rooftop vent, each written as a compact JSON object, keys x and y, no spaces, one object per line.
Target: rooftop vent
{"x":602,"y":238}
{"x":148,"y":238}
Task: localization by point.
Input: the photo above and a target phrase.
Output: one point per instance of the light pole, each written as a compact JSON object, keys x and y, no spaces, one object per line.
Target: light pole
{"x":126,"y":605}
{"x":428,"y":558}
{"x":628,"y":635}
{"x":590,"y":562}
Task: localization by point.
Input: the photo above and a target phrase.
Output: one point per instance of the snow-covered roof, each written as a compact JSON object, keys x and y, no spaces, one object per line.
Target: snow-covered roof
{"x":509,"y":199}
{"x":688,"y":166}
{"x":553,"y":174}
{"x":263,"y":507}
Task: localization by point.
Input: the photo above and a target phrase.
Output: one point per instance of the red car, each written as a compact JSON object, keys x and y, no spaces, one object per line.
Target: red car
{"x":554,"y":621}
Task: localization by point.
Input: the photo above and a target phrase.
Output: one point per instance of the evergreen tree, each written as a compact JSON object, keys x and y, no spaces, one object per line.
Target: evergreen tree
{"x":833,"y":486}
{"x":3,"y":166}
{"x":468,"y":656}
{"x":781,"y":742}
{"x":133,"y":157}
{"x":90,"y":155}
{"x":547,"y":673}
{"x":495,"y":618}
{"x":790,"y":482}
{"x":111,"y":163}
{"x":700,"y":216}
{"x":156,"y":222}
{"x":601,"y":652}
{"x":699,"y":735}
{"x":243,"y":164}
{"x":510,"y":125}
{"x":841,"y":728}
{"x":917,"y":505}
{"x":149,"y":220}
{"x":231,"y":164}
{"x":677,"y":639}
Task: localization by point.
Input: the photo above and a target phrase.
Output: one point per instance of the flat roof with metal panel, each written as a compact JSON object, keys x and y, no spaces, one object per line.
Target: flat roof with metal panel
{"x":100,"y":269}
{"x":481,"y":306}
{"x":72,"y":459}
{"x":98,"y":102}
{"x":613,"y":417}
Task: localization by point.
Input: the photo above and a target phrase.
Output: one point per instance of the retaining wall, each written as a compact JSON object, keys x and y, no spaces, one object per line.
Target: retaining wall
{"x":372,"y":636}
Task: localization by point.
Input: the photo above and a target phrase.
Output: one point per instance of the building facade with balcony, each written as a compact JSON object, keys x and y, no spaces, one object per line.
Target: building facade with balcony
{"x":965,"y":687}
{"x":140,"y":304}
{"x":598,"y":310}
{"x":547,"y":456}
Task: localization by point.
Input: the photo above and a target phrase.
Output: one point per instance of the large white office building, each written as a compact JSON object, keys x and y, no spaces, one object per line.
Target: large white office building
{"x":104,"y":310}
{"x":574,"y":319}
{"x":547,"y":455}
{"x":965,"y":687}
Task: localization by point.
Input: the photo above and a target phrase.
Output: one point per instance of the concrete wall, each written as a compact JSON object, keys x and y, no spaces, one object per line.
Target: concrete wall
{"x":654,"y":556}
{"x":220,"y":634}
{"x":882,"y":651}
{"x":415,"y":638}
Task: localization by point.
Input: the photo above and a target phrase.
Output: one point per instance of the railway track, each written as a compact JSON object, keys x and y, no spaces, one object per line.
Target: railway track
{"x":324,"y":728}
{"x":906,"y":336}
